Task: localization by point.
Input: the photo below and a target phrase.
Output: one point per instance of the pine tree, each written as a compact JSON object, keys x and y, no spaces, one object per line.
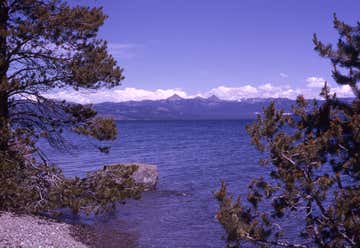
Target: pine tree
{"x":47,"y":45}
{"x":314,"y":159}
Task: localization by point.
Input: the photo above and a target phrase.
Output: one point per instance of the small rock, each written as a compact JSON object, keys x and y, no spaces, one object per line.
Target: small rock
{"x":146,"y":174}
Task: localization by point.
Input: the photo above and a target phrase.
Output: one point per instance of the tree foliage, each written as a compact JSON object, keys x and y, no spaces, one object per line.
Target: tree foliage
{"x":44,"y":189}
{"x":314,"y":161}
{"x":46,"y":45}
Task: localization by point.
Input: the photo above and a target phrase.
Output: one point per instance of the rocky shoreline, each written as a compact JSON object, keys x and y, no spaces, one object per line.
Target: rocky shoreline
{"x":19,"y":230}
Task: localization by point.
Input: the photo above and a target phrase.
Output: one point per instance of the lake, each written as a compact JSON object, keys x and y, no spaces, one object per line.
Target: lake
{"x":192,"y":157}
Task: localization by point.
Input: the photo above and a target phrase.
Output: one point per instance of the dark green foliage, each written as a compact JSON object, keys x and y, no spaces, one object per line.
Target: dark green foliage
{"x":46,"y":45}
{"x":28,"y":188}
{"x":314,"y":159}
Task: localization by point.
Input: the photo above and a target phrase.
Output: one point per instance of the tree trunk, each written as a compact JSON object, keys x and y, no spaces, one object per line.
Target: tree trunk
{"x":4,"y":122}
{"x":4,"y":65}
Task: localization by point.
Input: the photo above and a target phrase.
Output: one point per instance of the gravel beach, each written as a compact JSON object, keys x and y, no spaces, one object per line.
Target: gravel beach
{"x":29,"y":231}
{"x":26,"y":231}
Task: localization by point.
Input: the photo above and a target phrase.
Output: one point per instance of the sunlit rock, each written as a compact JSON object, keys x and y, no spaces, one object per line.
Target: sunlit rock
{"x":145,"y":174}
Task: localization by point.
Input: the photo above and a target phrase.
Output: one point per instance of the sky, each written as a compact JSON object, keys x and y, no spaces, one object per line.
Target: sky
{"x":234,"y":49}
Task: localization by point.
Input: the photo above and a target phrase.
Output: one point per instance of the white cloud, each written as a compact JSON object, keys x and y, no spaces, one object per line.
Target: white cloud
{"x":267,"y":87}
{"x":263,"y":91}
{"x":115,"y":95}
{"x":133,"y":94}
{"x":231,"y":93}
{"x":268,"y":90}
{"x":342,"y":91}
{"x":283,"y":75}
{"x":315,"y":82}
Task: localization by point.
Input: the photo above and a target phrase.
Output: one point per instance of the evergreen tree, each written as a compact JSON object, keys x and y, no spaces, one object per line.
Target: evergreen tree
{"x":314,"y":161}
{"x":47,"y":45}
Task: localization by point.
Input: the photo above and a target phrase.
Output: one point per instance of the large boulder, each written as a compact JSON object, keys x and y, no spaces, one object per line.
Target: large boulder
{"x":145,"y":174}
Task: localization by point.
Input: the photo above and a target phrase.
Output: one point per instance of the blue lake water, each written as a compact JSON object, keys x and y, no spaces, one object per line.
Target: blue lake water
{"x":192,"y":157}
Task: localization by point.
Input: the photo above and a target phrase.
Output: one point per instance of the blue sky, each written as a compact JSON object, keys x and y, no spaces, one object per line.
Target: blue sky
{"x":195,"y":47}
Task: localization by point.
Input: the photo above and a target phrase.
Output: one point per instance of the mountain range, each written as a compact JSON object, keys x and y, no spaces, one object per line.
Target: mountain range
{"x":178,"y":108}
